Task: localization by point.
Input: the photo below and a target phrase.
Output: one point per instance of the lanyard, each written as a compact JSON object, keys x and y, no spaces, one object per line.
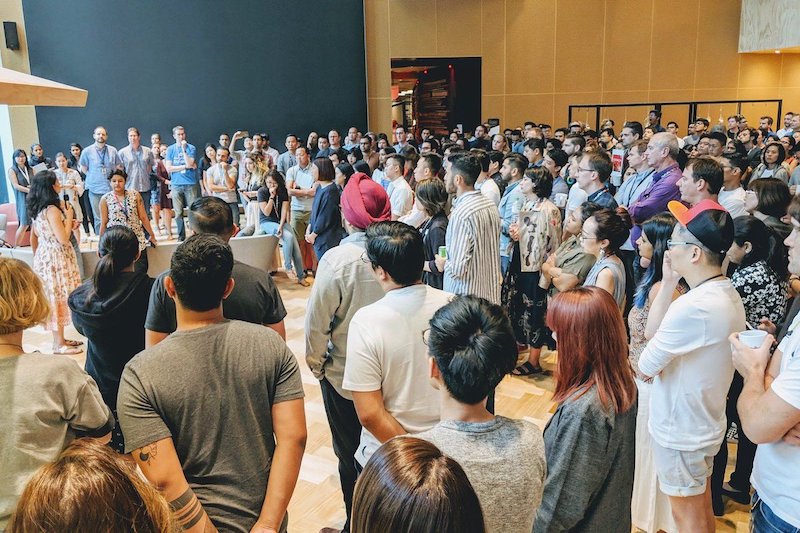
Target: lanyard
{"x":123,"y":205}
{"x":102,"y":158}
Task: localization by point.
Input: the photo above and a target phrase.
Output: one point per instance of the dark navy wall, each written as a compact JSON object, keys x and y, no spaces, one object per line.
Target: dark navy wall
{"x":210,"y":65}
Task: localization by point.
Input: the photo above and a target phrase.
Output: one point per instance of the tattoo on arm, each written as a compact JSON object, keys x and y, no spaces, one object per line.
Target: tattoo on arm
{"x":148,"y":453}
{"x":189,"y":511}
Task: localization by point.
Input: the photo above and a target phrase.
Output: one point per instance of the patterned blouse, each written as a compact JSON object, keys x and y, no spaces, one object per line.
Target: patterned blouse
{"x":125,"y":212}
{"x":540,"y":233}
{"x":763,"y":294}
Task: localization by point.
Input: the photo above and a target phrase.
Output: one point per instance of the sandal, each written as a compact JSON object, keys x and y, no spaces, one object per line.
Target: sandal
{"x":67,"y":350}
{"x":527,"y":369}
{"x":70,"y":342}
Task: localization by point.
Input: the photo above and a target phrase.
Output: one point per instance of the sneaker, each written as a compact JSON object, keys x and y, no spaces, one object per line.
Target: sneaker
{"x":304,"y":282}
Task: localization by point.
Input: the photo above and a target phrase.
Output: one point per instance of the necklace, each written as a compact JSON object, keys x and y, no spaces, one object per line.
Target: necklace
{"x":12,"y":344}
{"x":708,"y":279}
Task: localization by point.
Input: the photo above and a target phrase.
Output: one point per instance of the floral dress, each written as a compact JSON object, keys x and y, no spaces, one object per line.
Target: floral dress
{"x":57,"y":266}
{"x":125,"y":212}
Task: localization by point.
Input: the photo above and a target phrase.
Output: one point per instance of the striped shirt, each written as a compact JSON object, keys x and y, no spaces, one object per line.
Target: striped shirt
{"x":473,"y":238}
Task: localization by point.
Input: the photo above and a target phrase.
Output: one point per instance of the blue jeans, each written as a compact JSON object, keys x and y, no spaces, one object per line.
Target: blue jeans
{"x":94,"y":200}
{"x":183,"y":196}
{"x":505,"y":261}
{"x":763,"y":520}
{"x":291,"y":249}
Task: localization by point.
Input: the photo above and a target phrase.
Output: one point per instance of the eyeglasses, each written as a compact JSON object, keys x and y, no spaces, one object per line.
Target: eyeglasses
{"x":581,"y":169}
{"x":365,"y":259}
{"x":426,"y":334}
{"x":672,"y":244}
{"x":584,"y":237}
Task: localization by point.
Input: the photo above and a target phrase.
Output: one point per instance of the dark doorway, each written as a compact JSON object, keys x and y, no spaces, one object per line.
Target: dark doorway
{"x":436,"y":93}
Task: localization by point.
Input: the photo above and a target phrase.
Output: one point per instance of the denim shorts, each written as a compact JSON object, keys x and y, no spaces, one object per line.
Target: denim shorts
{"x":764,"y":520}
{"x":683,"y":473}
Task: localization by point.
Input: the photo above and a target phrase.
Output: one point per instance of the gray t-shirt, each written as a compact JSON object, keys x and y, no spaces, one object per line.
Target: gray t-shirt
{"x":254,"y":299}
{"x":47,"y":401}
{"x":212,"y":390}
{"x":504,"y":461}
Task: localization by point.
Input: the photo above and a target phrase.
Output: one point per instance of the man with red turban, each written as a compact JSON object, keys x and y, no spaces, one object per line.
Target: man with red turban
{"x":343,"y":285}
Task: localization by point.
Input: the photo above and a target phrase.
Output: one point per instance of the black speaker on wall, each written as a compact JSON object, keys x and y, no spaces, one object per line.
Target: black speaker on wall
{"x":12,"y":39}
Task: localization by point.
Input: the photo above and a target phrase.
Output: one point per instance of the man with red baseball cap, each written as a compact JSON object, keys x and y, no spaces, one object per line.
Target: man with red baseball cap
{"x":689,"y":359}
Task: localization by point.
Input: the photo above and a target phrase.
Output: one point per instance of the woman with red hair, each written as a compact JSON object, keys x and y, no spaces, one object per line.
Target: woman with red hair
{"x":589,"y":442}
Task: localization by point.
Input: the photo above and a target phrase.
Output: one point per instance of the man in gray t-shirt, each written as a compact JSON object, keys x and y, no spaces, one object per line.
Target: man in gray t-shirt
{"x":207,"y":410}
{"x":504,"y":459}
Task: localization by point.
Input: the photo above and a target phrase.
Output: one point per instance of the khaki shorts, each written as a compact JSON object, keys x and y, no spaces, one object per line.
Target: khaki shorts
{"x":683,"y":473}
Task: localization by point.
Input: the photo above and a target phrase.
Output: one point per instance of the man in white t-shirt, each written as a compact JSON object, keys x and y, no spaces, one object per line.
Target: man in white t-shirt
{"x":484,"y":183}
{"x":400,"y":194}
{"x":769,"y":408}
{"x":386,"y":367}
{"x":732,"y":195}
{"x":689,"y":359}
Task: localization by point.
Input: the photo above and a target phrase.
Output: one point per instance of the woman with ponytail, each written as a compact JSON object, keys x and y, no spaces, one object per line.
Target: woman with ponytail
{"x":110,"y":309}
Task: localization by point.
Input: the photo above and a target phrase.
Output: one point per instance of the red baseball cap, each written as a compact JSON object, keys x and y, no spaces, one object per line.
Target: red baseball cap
{"x":709,"y":222}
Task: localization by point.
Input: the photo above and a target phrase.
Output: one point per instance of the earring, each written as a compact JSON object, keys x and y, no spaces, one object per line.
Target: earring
{"x":602,"y":253}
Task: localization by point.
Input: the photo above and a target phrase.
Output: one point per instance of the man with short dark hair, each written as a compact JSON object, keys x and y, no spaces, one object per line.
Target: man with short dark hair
{"x":594,"y":170}
{"x":186,"y":404}
{"x":344,"y":284}
{"x":608,"y":139}
{"x":369,"y":155}
{"x":472,"y":347}
{"x":323,"y":147}
{"x":749,"y":137}
{"x":473,"y":234}
{"x":560,"y":134}
{"x":554,"y":161}
{"x":689,"y":359}
{"x":479,"y":139}
{"x":402,"y":138}
{"x":700,"y":127}
{"x":732,"y":195}
{"x":513,"y":170}
{"x":631,"y":132}
{"x":702,"y":179}
{"x":495,"y":162}
{"x":765,"y":123}
{"x":386,"y":368}
{"x":399,"y":191}
{"x":716,"y":143}
{"x":184,"y":184}
{"x":484,"y":183}
{"x":654,"y":120}
{"x":534,"y":151}
{"x":353,"y":137}
{"x":787,"y":125}
{"x":672,"y":127}
{"x":287,"y":159}
{"x":253,"y":299}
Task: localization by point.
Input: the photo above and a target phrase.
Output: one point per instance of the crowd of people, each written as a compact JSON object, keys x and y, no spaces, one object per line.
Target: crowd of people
{"x":662,"y":269}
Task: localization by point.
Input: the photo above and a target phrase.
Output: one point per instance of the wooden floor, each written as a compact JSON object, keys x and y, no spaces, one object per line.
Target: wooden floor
{"x":317,"y":500}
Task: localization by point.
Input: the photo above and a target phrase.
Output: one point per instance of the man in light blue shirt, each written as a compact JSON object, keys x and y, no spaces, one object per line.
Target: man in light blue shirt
{"x":287,"y":159}
{"x":182,"y":167}
{"x":97,"y":161}
{"x":513,"y":170}
{"x":138,"y":163}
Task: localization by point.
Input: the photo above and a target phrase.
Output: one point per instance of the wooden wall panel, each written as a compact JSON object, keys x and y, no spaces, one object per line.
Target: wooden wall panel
{"x":539,"y":56}
{"x":768,"y":25}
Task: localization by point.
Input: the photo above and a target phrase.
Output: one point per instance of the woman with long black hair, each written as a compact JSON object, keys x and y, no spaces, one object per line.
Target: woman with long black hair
{"x":75,"y":150}
{"x":54,"y":259}
{"x":20,"y":175}
{"x":110,"y":310}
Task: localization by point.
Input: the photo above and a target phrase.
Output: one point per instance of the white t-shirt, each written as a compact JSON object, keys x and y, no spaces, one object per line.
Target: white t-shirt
{"x":385,"y":352}
{"x":690,"y":357}
{"x":575,"y":198}
{"x":733,"y":201}
{"x":490,"y":190}
{"x":400,"y":196}
{"x":776,"y":470}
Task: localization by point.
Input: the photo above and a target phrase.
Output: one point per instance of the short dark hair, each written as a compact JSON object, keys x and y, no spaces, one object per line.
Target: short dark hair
{"x":708,"y":169}
{"x":200,"y":269}
{"x":118,"y":172}
{"x":518,"y":161}
{"x":397,"y":248}
{"x":703,"y":120}
{"x":656,"y":112}
{"x":432,"y":160}
{"x":401,"y":161}
{"x":211,"y":215}
{"x":542,"y":181}
{"x":600,"y":163}
{"x":737,"y":160}
{"x":559,"y":157}
{"x":768,"y":119}
{"x":466,"y":165}
{"x":635,"y":127}
{"x":496,"y":156}
{"x":483,"y":157}
{"x":719,"y":137}
{"x":671,"y":123}
{"x":576,"y":138}
{"x":609,"y":131}
{"x":473,"y":344}
{"x":535,"y":144}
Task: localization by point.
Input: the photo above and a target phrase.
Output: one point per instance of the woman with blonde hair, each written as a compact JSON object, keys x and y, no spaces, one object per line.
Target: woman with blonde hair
{"x":90,"y":488}
{"x":46,"y":399}
{"x":255,"y":176}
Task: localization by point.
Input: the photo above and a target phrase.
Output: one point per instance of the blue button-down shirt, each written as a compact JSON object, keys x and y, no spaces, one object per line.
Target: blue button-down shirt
{"x":138,"y":164}
{"x":510,"y":197}
{"x":99,"y":163}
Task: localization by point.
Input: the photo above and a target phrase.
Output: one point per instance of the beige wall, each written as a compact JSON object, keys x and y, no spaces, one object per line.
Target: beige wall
{"x":539,"y":56}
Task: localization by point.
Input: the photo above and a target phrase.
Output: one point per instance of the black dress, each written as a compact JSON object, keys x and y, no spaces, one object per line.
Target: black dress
{"x":433,"y":236}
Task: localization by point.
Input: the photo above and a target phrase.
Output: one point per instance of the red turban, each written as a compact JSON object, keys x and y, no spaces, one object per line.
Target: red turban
{"x":364,"y":202}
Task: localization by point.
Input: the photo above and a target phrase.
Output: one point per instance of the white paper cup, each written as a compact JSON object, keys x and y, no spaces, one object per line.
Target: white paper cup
{"x":753,"y":338}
